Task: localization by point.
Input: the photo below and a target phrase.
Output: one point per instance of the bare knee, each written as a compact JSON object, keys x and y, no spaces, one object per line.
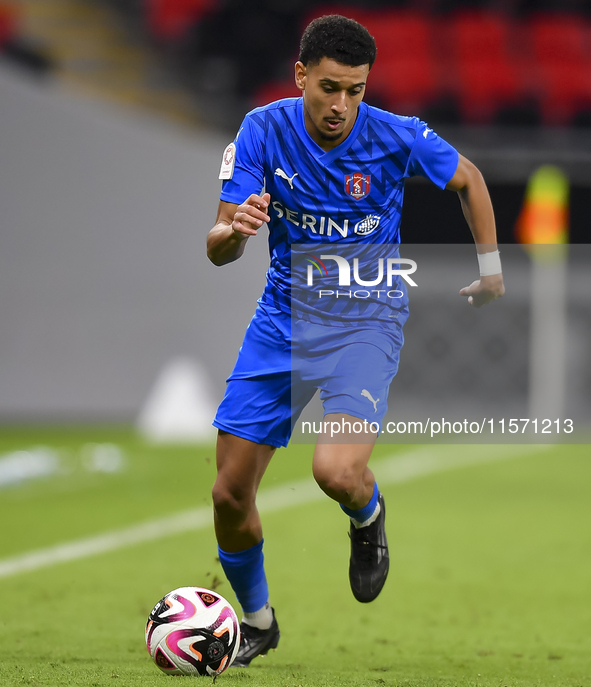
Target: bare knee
{"x":342,"y":473}
{"x":340,"y":483}
{"x":231,"y":501}
{"x":241,"y":465}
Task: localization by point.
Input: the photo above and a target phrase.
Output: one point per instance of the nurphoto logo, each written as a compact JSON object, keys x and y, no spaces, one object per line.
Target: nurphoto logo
{"x":393,"y":269}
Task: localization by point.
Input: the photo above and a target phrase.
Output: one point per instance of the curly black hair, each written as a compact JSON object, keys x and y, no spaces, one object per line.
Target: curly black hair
{"x":337,"y":38}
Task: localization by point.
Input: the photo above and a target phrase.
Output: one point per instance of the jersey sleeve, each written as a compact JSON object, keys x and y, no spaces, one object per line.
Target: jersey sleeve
{"x":248,"y":175}
{"x":432,"y":157}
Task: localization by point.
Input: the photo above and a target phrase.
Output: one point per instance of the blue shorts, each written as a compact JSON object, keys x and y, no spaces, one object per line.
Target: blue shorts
{"x":282,"y":363}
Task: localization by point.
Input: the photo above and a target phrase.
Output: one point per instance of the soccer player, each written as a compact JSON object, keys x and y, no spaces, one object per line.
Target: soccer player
{"x":321,"y":169}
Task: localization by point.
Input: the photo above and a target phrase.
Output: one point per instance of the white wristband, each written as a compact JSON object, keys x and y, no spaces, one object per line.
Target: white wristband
{"x":489,"y":263}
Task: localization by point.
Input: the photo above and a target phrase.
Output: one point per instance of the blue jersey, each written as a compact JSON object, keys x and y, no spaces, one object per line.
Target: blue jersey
{"x":346,"y":199}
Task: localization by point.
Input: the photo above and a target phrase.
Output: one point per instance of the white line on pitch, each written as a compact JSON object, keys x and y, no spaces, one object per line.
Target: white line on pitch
{"x":395,"y":470}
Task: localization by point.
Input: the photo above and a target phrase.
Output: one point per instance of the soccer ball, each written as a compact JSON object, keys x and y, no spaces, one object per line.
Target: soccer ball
{"x":193,"y":631}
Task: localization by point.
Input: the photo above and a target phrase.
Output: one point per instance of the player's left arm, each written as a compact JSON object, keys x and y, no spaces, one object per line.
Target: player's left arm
{"x":478,"y":211}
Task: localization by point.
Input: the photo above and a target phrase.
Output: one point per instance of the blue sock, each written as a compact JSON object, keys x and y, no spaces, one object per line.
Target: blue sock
{"x":366,"y":512}
{"x":246,"y":573}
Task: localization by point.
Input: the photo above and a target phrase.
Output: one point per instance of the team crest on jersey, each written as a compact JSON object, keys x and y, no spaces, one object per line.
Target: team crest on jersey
{"x":358,"y":185}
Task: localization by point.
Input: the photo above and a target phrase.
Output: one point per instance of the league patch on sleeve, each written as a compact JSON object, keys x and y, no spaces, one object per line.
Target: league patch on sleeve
{"x":228,"y":160}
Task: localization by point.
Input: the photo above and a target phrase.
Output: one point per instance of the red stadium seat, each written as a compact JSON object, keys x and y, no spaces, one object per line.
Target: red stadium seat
{"x":480,"y":34}
{"x":8,"y":21}
{"x":565,"y":90}
{"x":275,"y":91}
{"x":170,"y":19}
{"x":405,"y":85}
{"x":561,"y":62}
{"x":485,"y":87}
{"x":352,"y":12}
{"x":558,"y":38}
{"x":401,"y":34}
{"x":405,"y":76}
{"x":482,"y":60}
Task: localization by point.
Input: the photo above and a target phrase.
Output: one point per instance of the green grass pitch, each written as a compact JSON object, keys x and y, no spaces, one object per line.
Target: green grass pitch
{"x":490,"y":580}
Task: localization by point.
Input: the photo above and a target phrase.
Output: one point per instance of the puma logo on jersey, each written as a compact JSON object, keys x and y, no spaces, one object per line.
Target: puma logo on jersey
{"x":365,"y":392}
{"x":426,"y":132}
{"x":280,"y":173}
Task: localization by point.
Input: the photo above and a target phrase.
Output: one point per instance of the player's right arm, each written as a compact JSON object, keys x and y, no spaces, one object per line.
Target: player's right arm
{"x":233,"y":227}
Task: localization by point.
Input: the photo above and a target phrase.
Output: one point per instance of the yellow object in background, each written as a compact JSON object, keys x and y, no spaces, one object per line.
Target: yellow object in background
{"x":544,"y":217}
{"x":543,"y":227}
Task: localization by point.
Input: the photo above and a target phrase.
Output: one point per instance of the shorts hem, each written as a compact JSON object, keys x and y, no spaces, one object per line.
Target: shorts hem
{"x":269,"y":441}
{"x":377,"y":421}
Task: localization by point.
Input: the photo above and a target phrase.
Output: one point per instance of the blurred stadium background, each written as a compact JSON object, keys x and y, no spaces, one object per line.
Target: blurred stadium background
{"x":113,"y":117}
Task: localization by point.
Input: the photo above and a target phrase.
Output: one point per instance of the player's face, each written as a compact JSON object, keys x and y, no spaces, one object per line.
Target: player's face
{"x":332,"y":92}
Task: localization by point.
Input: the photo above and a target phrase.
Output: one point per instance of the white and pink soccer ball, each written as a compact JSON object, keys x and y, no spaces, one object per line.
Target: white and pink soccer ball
{"x":193,"y":631}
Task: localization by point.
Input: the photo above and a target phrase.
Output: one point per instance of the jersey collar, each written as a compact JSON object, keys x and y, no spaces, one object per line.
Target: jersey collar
{"x":326,"y":157}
